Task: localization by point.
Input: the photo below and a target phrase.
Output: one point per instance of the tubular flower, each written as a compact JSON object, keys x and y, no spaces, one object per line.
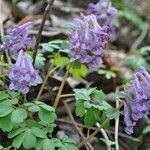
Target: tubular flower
{"x":17,"y":38}
{"x":23,"y":74}
{"x":105,"y":13}
{"x":139,"y":101}
{"x":88,"y":41}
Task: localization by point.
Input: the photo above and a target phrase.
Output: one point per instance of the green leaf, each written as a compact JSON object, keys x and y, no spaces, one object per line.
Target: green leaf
{"x":5,"y":110}
{"x":39,"y":144}
{"x":99,"y":96}
{"x":145,"y":50}
{"x":136,"y":65}
{"x":38,"y":132}
{"x":108,"y":73}
{"x":39,"y":61}
{"x":146,"y":130}
{"x":83,"y":94}
{"x":112,"y":113}
{"x":19,"y":115}
{"x":92,"y":116}
{"x":34,"y":108}
{"x":10,"y":102}
{"x":48,"y":145}
{"x":50,"y":128}
{"x":51,"y":46}
{"x":18,"y":140}
{"x":13,"y":94}
{"x":104,"y":105}
{"x":6,"y":124}
{"x":3,"y":95}
{"x":29,"y":140}
{"x":56,"y":142}
{"x":80,"y":110}
{"x":16,"y":132}
{"x":68,"y":147}
{"x":32,"y":123}
{"x":68,"y":144}
{"x":47,"y":107}
{"x":60,"y":60}
{"x":78,"y":72}
{"x":46,"y":116}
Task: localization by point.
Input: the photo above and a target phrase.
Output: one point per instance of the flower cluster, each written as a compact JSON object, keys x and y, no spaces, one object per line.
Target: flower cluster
{"x":23,"y":74}
{"x":91,"y":33}
{"x":137,"y":99}
{"x":88,"y":41}
{"x":103,"y":10}
{"x":17,"y":38}
{"x":105,"y":13}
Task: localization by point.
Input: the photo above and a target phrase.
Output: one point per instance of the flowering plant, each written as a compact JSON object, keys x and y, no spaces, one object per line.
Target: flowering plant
{"x":29,"y":122}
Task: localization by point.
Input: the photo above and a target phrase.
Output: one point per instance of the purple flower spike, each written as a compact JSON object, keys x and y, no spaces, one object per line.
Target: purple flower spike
{"x":88,"y":41}
{"x":23,"y":74}
{"x":17,"y":38}
{"x":137,"y":98}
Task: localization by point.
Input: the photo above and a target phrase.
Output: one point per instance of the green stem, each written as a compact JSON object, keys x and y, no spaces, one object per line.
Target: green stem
{"x":93,"y":134}
{"x":60,"y":90}
{"x":25,"y":98}
{"x":44,"y":82}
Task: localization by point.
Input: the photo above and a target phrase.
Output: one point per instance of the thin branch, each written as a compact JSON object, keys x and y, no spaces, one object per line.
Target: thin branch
{"x":44,"y":82}
{"x":92,"y":135}
{"x":57,"y":99}
{"x":47,"y":11}
{"x":94,"y":128}
{"x":105,"y":136}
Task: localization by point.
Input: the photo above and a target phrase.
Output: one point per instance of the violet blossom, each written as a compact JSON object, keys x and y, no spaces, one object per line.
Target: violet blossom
{"x":105,"y":14}
{"x":137,"y":99}
{"x":23,"y":74}
{"x":17,"y":38}
{"x":88,"y":41}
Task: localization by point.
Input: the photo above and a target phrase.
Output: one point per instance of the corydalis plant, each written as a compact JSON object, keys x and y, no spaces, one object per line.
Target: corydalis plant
{"x":23,"y":74}
{"x":137,"y":99}
{"x":88,"y":41}
{"x":17,"y":38}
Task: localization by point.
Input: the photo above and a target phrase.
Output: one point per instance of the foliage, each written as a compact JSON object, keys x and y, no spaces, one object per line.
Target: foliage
{"x":92,"y":106}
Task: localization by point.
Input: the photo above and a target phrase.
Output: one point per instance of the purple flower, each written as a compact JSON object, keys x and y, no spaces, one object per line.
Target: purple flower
{"x":88,"y":41}
{"x":127,"y":119}
{"x":105,"y":13}
{"x":17,"y":38}
{"x":23,"y":74}
{"x":137,"y":98}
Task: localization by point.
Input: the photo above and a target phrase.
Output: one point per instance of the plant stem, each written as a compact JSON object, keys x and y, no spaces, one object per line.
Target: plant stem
{"x":105,"y":137}
{"x":47,"y":11}
{"x":44,"y":82}
{"x":92,"y":135}
{"x":66,"y":95}
{"x":25,"y":98}
{"x":60,"y":90}
{"x":116,"y":128}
